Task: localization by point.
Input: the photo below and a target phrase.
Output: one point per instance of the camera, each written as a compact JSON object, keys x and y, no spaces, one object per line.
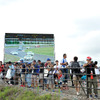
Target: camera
{"x":94,"y":63}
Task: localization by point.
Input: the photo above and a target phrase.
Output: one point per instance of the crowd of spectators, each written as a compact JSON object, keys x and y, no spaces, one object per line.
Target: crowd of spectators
{"x":51,"y":75}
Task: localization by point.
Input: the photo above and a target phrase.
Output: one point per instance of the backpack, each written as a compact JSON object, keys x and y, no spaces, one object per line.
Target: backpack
{"x":75,"y":67}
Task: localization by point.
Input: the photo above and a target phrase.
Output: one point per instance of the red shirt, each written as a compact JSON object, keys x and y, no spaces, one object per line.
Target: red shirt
{"x":1,"y":68}
{"x":59,"y":76}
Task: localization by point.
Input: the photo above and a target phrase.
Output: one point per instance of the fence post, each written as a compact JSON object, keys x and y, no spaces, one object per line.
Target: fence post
{"x":87,"y":83}
{"x":43,"y":77}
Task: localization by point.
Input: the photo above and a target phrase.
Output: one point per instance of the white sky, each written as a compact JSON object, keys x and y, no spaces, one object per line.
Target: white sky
{"x":75,"y":24}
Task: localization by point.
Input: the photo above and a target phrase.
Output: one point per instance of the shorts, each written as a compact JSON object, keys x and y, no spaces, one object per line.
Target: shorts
{"x":41,"y":76}
{"x":23,"y":77}
{"x":76,"y":80}
{"x":50,"y":79}
{"x":35,"y":78}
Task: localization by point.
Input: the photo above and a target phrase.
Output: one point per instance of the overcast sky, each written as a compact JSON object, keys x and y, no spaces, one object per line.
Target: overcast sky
{"x":75,"y":24}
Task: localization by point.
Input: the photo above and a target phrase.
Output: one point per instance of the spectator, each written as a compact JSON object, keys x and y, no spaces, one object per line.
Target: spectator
{"x":41,"y":65}
{"x":12,"y":74}
{"x":1,"y":66}
{"x":76,"y":74}
{"x":50,"y":76}
{"x":17,"y":73}
{"x":5,"y":69}
{"x":28,"y":76}
{"x":56,"y":71}
{"x":64,"y":64}
{"x":60,"y":80}
{"x":47,"y":65}
{"x":32,"y":76}
{"x":9,"y":73}
{"x":35,"y":76}
{"x":1,"y":69}
{"x":91,"y":77}
{"x":97,"y":73}
{"x":71,"y":73}
{"x":22,"y":66}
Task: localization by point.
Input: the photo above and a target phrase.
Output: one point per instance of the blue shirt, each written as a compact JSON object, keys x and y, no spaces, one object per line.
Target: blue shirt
{"x":63,"y":61}
{"x":36,"y":71}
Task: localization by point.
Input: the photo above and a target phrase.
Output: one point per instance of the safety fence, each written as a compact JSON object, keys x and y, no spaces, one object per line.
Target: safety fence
{"x":53,"y":78}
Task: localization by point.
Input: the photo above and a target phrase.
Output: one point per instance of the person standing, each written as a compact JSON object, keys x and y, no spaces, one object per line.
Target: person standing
{"x":56,"y":72}
{"x":50,"y":76}
{"x":76,"y":74}
{"x":71,"y":73}
{"x":41,"y":65}
{"x":91,"y":77}
{"x":9,"y":73}
{"x":60,"y":79}
{"x":5,"y":69}
{"x":35,"y":76}
{"x":28,"y":74}
{"x":46,"y":70}
{"x":22,"y":66}
{"x":64,"y":64}
{"x":17,"y":72}
{"x":1,"y":69}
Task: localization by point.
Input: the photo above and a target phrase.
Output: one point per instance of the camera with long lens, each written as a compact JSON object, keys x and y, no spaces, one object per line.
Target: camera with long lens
{"x":94,"y":63}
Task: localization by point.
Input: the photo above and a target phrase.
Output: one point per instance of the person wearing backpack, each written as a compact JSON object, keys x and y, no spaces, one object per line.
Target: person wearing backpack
{"x":76,"y":74}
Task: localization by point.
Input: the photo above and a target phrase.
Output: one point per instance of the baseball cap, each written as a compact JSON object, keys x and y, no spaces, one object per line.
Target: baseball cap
{"x":48,"y":59}
{"x":89,"y":58}
{"x":29,"y":63}
{"x":21,"y":59}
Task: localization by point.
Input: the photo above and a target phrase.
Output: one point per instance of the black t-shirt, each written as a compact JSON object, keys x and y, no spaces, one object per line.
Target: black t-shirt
{"x":23,"y":69}
{"x":41,"y":65}
{"x":90,"y":68}
{"x":28,"y":70}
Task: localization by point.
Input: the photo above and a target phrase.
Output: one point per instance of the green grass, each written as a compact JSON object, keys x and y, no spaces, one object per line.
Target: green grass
{"x":11,"y":46}
{"x":49,"y":51}
{"x":17,"y":93}
{"x":8,"y":57}
{"x":8,"y":93}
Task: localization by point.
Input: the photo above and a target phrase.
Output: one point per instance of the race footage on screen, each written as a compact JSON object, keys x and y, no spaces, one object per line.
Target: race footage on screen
{"x":28,"y":47}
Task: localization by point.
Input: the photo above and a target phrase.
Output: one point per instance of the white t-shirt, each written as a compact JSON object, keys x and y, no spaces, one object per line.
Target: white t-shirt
{"x":58,"y":67}
{"x":97,"y":71}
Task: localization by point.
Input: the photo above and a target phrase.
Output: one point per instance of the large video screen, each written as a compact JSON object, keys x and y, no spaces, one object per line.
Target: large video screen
{"x":28,"y":47}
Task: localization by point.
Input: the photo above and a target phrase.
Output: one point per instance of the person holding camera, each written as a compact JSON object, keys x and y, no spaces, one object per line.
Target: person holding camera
{"x":91,"y":77}
{"x":50,"y":75}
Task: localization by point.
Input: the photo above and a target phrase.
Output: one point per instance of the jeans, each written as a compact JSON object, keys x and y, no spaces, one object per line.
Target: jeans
{"x":28,"y":79}
{"x":65,"y":73}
